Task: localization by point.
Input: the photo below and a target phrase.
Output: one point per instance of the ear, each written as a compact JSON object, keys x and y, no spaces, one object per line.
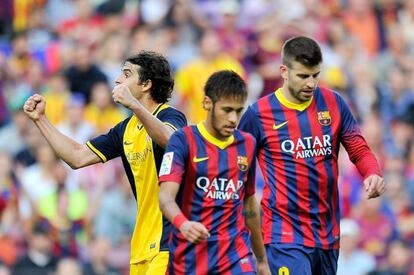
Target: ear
{"x":147,"y":85}
{"x":207,"y":103}
{"x":283,"y":71}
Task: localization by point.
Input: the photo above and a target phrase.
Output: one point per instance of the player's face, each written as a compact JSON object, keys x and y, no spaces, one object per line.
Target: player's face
{"x":300,"y":81}
{"x":130,"y":77}
{"x":225,"y":116}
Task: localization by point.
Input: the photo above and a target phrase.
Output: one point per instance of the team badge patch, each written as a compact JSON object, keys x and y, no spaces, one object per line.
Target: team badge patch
{"x":324,"y":118}
{"x":166,"y":163}
{"x":242,"y":163}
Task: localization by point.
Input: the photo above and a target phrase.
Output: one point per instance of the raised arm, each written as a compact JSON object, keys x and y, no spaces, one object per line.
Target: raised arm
{"x":74,"y":154}
{"x":157,"y":130}
{"x":192,"y":231}
{"x":252,"y":220}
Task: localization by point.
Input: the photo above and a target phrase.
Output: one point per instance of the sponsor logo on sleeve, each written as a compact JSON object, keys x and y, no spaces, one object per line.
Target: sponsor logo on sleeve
{"x":166,"y":164}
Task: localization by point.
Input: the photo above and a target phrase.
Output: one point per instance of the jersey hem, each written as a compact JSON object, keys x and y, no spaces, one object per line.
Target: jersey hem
{"x":146,"y":258}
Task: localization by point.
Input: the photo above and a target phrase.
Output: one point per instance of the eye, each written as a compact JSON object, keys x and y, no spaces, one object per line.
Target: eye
{"x":316,"y":75}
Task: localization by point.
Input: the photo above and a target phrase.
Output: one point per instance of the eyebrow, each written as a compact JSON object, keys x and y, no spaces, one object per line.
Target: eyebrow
{"x":301,"y":74}
{"x":126,"y":70}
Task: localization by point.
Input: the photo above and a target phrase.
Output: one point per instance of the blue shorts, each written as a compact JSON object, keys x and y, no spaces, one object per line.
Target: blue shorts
{"x":292,"y":259}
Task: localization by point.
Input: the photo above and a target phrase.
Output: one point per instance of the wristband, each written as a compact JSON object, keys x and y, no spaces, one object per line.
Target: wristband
{"x":178,"y":220}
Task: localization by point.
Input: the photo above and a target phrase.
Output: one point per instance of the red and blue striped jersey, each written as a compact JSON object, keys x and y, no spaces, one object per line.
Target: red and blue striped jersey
{"x":214,"y":178}
{"x":297,"y":150}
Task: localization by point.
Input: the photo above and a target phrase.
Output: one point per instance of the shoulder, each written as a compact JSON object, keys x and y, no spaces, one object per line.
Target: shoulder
{"x":167,"y":110}
{"x":183,"y":133}
{"x":329,"y":93}
{"x":247,"y":137}
{"x":121,"y":126}
{"x":262,"y":103}
{"x":331,"y":96}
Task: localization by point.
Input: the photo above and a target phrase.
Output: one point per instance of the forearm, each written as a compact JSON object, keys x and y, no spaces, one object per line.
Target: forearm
{"x":252,"y":220}
{"x":168,"y":206}
{"x":66,"y":148}
{"x":361,"y":155}
{"x":158,"y":131}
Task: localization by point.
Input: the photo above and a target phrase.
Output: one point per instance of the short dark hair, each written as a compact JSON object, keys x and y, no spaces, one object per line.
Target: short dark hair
{"x":155,"y":67}
{"x":226,"y":84}
{"x":301,"y":49}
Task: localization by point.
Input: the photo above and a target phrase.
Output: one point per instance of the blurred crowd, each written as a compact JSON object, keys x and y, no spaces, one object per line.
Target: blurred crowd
{"x":62,"y":221}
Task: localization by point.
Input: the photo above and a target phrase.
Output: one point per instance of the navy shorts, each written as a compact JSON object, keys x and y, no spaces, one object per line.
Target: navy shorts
{"x":292,"y":259}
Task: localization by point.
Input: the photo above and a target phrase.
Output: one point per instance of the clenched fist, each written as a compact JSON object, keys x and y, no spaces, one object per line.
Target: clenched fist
{"x":374,"y":186}
{"x":194,"y":231}
{"x":121,"y":94}
{"x":35,"y":107}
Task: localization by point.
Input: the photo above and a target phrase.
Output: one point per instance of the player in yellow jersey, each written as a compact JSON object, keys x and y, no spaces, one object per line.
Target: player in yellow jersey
{"x":144,"y":86}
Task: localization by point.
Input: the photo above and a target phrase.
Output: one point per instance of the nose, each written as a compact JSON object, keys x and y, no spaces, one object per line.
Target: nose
{"x":233,"y":117}
{"x":118,"y":80}
{"x":312,"y":82}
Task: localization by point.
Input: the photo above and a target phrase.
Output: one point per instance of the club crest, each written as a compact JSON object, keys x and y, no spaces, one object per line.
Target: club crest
{"x":242,"y":163}
{"x":324,"y":118}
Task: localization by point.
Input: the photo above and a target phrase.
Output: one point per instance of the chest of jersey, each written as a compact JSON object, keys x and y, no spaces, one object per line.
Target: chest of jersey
{"x":137,"y":146}
{"x":217,"y":174}
{"x":311,"y":133}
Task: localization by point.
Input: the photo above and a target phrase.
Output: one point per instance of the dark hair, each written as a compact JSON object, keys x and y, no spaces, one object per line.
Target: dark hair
{"x":155,"y":67}
{"x":301,"y":49}
{"x":225,"y":83}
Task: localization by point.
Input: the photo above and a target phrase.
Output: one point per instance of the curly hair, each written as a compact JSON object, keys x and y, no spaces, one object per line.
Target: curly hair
{"x":155,"y":67}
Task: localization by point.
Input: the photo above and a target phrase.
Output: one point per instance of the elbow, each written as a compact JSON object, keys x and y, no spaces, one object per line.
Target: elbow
{"x":166,"y":137}
{"x":161,"y":202}
{"x":75,"y":163}
{"x":164,"y":201}
{"x":74,"y":166}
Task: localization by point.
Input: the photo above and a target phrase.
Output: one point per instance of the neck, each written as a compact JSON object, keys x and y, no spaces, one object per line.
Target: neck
{"x":148,"y":103}
{"x":210,"y":129}
{"x":286,"y":94}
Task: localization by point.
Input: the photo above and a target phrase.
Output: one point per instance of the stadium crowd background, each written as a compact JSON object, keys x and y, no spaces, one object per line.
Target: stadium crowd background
{"x":72,"y":50}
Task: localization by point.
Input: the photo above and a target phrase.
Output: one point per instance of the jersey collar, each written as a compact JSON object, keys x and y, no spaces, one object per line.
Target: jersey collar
{"x":300,"y":107}
{"x":210,"y":138}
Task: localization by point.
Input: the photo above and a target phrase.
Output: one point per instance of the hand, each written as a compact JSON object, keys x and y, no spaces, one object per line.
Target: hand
{"x":374,"y":186}
{"x":263,"y":268}
{"x":122,"y":94}
{"x":194,"y":231}
{"x":35,"y":107}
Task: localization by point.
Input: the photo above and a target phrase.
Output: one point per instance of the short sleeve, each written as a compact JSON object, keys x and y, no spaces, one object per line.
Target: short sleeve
{"x":250,"y":124}
{"x":109,"y":145}
{"x":251,"y":176}
{"x":175,"y":158}
{"x":173,"y":118}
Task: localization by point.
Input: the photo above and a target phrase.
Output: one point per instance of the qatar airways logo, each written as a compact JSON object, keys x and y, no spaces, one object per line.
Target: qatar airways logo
{"x":308,"y":147}
{"x":219,"y":188}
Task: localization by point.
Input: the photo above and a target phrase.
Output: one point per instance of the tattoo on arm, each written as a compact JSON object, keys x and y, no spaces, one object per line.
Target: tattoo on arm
{"x":250,"y":214}
{"x":259,"y":258}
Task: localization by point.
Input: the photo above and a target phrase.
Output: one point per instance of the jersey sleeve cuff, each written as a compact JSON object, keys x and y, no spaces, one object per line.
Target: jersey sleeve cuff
{"x":96,"y":151}
{"x":170,"y":125}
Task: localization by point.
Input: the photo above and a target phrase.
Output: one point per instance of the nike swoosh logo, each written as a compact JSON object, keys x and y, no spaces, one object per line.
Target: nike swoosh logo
{"x":127,"y":143}
{"x":275,"y":127}
{"x":196,"y":159}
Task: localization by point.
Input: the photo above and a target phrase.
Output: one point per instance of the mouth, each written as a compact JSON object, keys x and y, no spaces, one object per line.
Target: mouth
{"x":229,"y":128}
{"x":307,"y":92}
